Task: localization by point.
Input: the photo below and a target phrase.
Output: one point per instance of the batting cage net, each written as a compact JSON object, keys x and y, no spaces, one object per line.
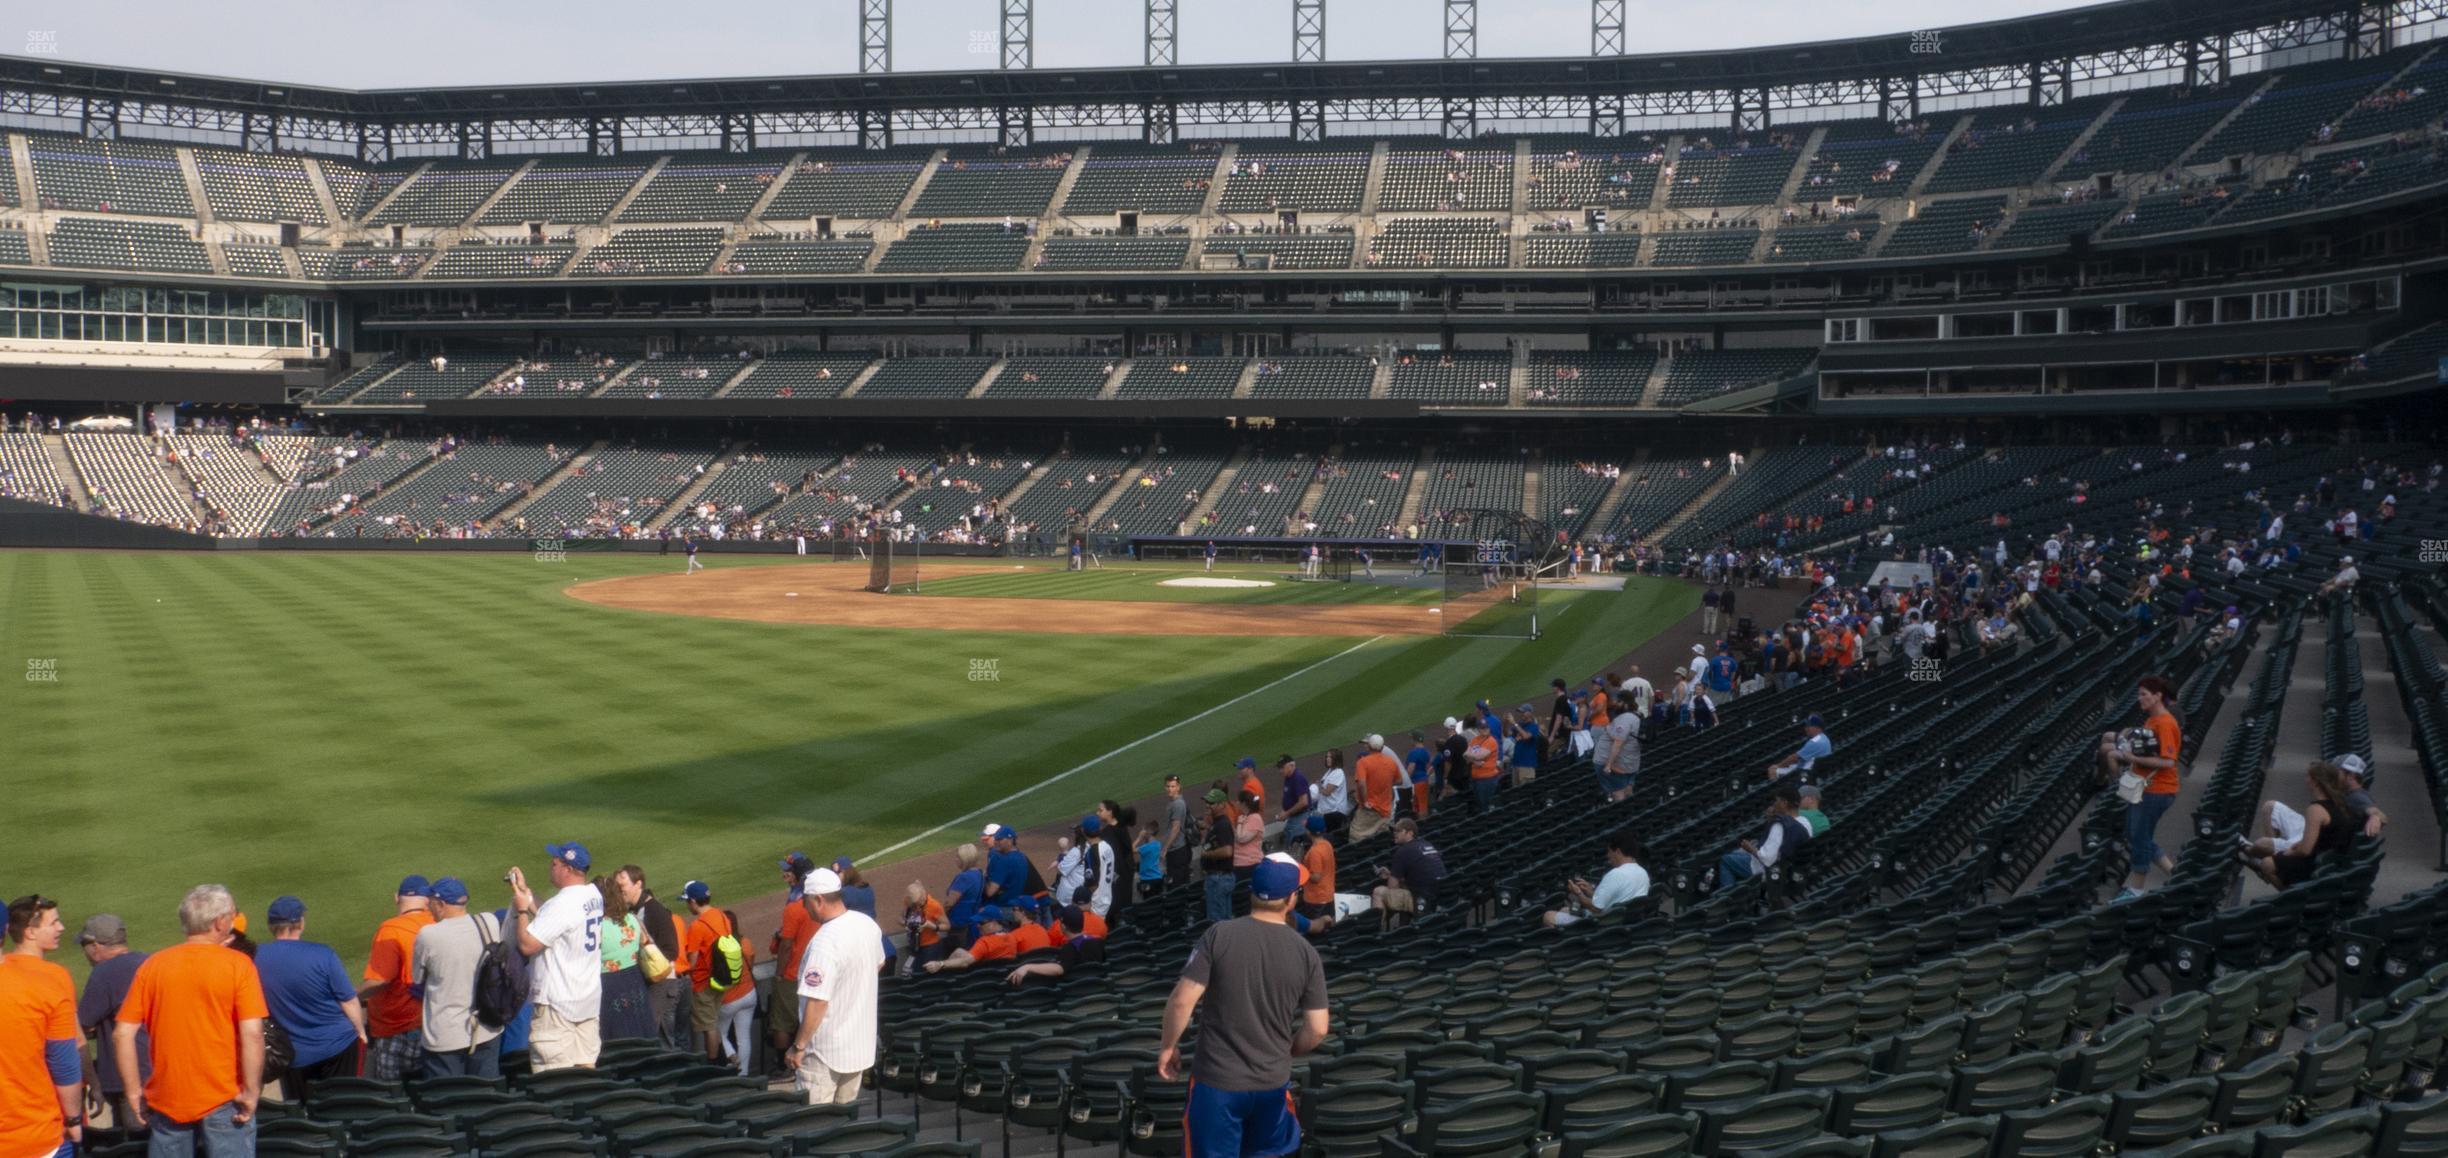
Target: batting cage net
{"x":1337,"y":565}
{"x":1495,"y":562}
{"x":891,"y":567}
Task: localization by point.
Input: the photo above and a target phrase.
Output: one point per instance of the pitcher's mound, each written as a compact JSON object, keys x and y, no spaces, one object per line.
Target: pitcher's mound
{"x":1215,"y":581}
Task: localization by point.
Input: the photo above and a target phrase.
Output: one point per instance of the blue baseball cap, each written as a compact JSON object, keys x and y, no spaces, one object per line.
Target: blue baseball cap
{"x":1092,"y":824}
{"x":1317,"y":823}
{"x":450,"y":891}
{"x":1006,"y":833}
{"x":413,"y":885}
{"x":798,"y":863}
{"x":572,"y":854}
{"x":1247,"y":762}
{"x":990,"y":913}
{"x":1813,"y":721}
{"x":842,"y":864}
{"x":1273,"y":880}
{"x":696,"y":891}
{"x":285,"y":910}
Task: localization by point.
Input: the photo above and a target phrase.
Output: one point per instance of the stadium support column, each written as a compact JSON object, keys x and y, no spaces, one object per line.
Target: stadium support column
{"x":1308,"y":31}
{"x":1159,"y":45}
{"x":1606,"y":27}
{"x":1461,"y":43}
{"x":1461,"y":29}
{"x":1019,"y":30}
{"x":875,"y":35}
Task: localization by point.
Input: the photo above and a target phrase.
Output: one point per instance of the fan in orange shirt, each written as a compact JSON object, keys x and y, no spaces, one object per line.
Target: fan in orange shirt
{"x":1318,"y":861}
{"x":992,"y":943}
{"x":1377,"y":771}
{"x":395,"y":1015}
{"x":41,"y":1075}
{"x":1485,"y":774}
{"x":202,"y":1006}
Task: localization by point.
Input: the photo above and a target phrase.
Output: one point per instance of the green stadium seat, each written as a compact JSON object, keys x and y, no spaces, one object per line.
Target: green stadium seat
{"x":1762,"y":1123}
{"x":2345,"y":1134}
{"x":1954,"y":1138}
{"x":2073,"y":1128}
{"x":1349,"y":1118}
{"x":1899,"y":1102}
{"x":2161,"y":1116}
{"x":1646,"y":1136}
{"x":864,"y":1136}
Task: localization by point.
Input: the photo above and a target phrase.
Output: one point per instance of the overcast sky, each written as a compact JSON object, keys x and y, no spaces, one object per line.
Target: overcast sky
{"x":481,"y":42}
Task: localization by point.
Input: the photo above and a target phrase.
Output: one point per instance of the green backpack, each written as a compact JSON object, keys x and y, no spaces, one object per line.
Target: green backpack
{"x":729,"y":966}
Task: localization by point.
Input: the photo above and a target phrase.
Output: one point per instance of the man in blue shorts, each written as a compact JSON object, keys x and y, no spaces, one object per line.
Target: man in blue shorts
{"x":1259,"y":990}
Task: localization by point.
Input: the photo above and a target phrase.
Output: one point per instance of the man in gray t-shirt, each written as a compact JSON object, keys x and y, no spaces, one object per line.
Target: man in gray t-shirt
{"x":1176,"y":833}
{"x":444,"y":962}
{"x":1260,"y":994}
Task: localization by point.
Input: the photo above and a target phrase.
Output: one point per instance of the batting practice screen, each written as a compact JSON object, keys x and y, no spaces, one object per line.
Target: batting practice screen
{"x":891,"y":566}
{"x":1491,"y":590}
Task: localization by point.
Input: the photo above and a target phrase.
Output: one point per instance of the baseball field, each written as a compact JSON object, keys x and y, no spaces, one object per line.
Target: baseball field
{"x":322,"y":723}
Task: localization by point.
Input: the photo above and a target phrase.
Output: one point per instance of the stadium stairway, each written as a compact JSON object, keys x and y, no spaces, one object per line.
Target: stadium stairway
{"x":1699,"y":501}
{"x":1130,"y":478}
{"x":689,"y":493}
{"x":1656,"y":387}
{"x":2081,"y":140}
{"x":1416,"y":492}
{"x":2250,"y":99}
{"x":1029,"y":481}
{"x":64,"y":469}
{"x":499,"y":191}
{"x":1533,"y":481}
{"x":1216,"y":490}
{"x":1603,"y":516}
{"x":1113,"y":381}
{"x":559,"y":476}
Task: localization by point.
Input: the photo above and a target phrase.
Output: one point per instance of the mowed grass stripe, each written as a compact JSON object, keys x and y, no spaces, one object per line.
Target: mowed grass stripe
{"x":321,"y":723}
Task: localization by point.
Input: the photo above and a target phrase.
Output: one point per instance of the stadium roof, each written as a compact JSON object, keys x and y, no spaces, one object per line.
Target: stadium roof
{"x":2074,"y":33}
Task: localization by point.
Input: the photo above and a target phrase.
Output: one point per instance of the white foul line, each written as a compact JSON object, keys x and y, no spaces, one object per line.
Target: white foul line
{"x":1065,"y":775}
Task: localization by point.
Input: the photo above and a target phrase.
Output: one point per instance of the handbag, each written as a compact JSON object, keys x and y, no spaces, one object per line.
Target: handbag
{"x":657,"y":966}
{"x":1582,"y":744}
{"x":2129,"y":787}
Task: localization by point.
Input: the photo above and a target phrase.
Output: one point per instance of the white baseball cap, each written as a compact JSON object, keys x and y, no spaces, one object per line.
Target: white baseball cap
{"x":824,"y":882}
{"x":1375,"y":741}
{"x":991,"y":830}
{"x":2352,"y":763}
{"x":1453,"y":723}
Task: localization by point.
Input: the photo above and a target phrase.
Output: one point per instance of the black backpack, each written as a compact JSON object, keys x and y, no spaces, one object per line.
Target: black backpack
{"x":502,"y":981}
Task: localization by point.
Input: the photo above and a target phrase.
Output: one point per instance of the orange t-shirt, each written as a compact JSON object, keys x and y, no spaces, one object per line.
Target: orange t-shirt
{"x":993,"y":947}
{"x":705,"y":929}
{"x":934,"y":911}
{"x":1250,"y":785}
{"x":1482,"y":757}
{"x":1029,"y":938}
{"x":190,"y":998}
{"x":1598,"y":712}
{"x":1091,"y":925}
{"x":392,"y":1010}
{"x":1377,"y":772}
{"x":797,"y":930}
{"x":2164,"y":781}
{"x":1320,"y":861}
{"x":37,"y":1007}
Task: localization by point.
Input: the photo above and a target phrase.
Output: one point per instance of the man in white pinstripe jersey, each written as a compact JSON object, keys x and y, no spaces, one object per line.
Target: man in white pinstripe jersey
{"x":837,"y":995}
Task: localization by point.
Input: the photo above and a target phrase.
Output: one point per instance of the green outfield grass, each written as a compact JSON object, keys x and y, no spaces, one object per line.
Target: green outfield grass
{"x":321,"y":723}
{"x":1145,"y":582}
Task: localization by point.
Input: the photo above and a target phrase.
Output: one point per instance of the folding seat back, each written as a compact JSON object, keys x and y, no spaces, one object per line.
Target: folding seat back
{"x":1645,"y":1136}
{"x":2161,"y":1115}
{"x":2332,"y":1064}
{"x":2254,"y":1093}
{"x":1826,"y":1069}
{"x":2015,"y":1082}
{"x":2414,"y":1129}
{"x":1955,"y":1138}
{"x":1900,"y":1102}
{"x":2344,"y":1134}
{"x":1496,"y":1123}
{"x":1716,"y":1085}
{"x":1592,"y":1105}
{"x":2072,"y":1128}
{"x":1762,"y":1123}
